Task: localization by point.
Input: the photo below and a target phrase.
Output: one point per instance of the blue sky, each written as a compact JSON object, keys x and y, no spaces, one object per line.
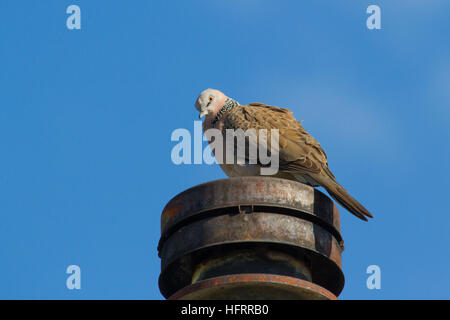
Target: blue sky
{"x":86,"y":117}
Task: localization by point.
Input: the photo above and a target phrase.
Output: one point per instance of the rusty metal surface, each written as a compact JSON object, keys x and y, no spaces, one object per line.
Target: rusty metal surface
{"x":220,"y":228}
{"x":253,"y":286}
{"x":248,"y":191}
{"x":252,"y":259}
{"x":254,"y":227}
{"x":181,"y":272}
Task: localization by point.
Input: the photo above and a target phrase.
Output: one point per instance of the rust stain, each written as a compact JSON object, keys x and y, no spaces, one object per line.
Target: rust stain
{"x":286,"y":221}
{"x":304,"y":289}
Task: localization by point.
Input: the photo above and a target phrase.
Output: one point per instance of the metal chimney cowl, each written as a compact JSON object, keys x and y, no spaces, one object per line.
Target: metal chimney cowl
{"x":251,"y":238}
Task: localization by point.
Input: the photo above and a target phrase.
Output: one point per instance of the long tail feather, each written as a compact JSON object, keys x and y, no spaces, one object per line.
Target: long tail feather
{"x":341,"y":195}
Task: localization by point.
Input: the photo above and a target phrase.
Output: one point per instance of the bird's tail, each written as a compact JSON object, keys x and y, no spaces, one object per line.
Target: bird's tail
{"x":341,"y":195}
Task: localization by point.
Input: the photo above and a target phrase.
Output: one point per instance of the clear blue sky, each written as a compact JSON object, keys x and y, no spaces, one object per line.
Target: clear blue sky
{"x":86,"y":117}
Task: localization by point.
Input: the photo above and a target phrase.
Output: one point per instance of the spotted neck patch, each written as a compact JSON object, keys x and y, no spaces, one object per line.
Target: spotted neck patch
{"x":229,"y":103}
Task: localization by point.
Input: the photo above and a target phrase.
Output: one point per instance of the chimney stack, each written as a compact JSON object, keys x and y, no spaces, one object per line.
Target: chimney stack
{"x":251,"y":238}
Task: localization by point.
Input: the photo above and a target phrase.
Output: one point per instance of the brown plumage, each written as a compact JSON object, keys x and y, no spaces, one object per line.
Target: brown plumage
{"x":301,"y":158}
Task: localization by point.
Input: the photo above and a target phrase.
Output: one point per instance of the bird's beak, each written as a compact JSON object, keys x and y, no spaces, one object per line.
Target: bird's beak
{"x":202,"y":114}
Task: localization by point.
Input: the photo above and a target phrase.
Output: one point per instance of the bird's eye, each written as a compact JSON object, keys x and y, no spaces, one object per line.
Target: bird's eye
{"x":211,"y":98}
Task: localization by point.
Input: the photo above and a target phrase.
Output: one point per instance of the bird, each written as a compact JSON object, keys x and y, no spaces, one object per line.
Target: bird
{"x":301,"y":157}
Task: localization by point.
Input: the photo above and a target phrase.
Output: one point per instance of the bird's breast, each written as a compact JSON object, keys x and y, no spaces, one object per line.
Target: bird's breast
{"x":240,"y":170}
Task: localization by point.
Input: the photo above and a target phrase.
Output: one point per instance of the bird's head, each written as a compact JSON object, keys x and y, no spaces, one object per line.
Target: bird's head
{"x":209,"y":102}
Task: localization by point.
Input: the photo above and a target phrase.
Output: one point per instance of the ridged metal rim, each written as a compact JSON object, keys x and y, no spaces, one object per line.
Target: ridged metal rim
{"x":326,"y":273}
{"x":237,"y":191}
{"x":298,"y":287}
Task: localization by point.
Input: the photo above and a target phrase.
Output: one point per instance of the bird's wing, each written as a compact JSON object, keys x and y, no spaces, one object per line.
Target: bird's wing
{"x":298,"y":151}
